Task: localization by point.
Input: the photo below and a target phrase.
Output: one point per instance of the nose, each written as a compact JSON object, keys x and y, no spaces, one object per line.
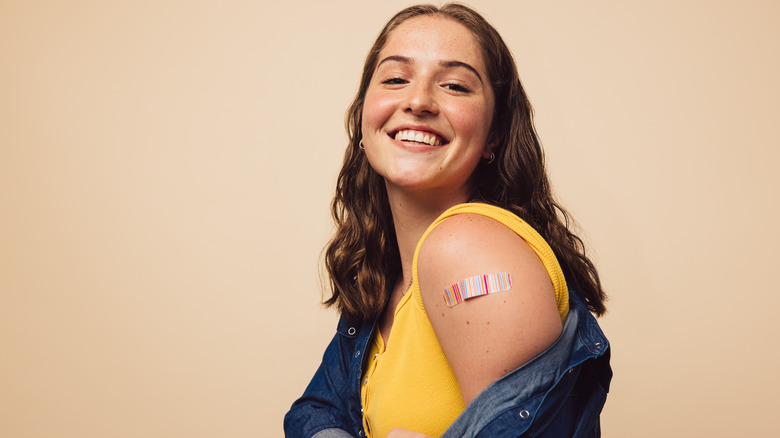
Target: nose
{"x":421,"y":100}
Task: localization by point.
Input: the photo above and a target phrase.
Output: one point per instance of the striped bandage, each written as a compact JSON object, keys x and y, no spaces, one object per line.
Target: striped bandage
{"x":476,"y":286}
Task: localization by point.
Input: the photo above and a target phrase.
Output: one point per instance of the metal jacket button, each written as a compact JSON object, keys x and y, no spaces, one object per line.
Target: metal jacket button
{"x":524,"y":414}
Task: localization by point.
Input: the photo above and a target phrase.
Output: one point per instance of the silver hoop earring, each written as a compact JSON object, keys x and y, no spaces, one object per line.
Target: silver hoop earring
{"x":492,"y":157}
{"x":360,"y":145}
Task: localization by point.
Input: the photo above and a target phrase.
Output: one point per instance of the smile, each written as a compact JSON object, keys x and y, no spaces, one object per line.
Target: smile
{"x":419,"y":137}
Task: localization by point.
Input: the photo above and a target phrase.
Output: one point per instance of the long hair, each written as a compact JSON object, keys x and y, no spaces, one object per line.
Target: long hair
{"x":363,"y":254}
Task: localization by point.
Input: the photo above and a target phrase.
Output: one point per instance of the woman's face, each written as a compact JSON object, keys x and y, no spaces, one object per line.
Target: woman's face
{"x":428,"y":108}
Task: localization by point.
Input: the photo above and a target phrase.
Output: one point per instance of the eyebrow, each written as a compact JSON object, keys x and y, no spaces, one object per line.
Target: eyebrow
{"x":446,"y":64}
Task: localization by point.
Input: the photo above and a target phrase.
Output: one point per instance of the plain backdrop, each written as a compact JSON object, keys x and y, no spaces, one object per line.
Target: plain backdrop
{"x":166,"y":169}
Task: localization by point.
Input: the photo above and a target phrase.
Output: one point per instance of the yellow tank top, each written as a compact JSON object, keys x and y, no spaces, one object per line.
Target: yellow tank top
{"x":410,"y":384}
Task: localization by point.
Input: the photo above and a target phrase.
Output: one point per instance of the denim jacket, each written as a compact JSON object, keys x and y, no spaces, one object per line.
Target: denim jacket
{"x":559,"y":393}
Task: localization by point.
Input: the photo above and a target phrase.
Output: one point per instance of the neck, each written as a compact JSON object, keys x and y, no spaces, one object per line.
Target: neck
{"x":413,"y":213}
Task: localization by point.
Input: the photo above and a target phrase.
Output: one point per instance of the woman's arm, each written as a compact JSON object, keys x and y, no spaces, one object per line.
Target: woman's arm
{"x":486,"y":337}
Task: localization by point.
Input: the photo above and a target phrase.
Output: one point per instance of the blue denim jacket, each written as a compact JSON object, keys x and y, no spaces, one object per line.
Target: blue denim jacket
{"x":559,"y":393}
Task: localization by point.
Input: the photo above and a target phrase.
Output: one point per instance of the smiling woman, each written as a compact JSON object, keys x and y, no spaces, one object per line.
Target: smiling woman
{"x":464,"y":297}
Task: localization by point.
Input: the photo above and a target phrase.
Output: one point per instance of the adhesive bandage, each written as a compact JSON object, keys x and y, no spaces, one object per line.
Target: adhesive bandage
{"x":476,"y":286}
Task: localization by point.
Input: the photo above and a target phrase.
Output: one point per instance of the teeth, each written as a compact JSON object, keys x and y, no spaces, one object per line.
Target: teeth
{"x":419,"y":137}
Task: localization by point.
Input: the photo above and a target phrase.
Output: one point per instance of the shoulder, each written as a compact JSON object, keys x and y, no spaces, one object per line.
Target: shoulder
{"x":489,"y":335}
{"x":469,"y":244}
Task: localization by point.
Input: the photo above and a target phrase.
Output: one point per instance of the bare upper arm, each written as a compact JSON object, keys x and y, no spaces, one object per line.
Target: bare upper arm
{"x":485,"y":337}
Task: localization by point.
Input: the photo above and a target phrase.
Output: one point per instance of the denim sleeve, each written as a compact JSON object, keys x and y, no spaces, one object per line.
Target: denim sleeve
{"x":559,"y":393}
{"x":324,"y":410}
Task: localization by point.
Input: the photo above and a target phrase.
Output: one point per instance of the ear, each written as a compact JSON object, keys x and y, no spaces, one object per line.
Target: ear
{"x":492,"y":141}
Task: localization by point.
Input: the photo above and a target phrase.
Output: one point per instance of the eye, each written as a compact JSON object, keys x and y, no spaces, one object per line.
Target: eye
{"x":394,"y":81}
{"x":456,"y":87}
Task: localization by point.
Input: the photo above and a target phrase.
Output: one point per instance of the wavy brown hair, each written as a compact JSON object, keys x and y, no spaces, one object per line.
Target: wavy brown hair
{"x":362,"y":257}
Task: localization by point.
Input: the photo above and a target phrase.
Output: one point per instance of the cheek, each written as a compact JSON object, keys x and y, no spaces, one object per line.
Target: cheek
{"x":377,"y":108}
{"x":472,"y":119}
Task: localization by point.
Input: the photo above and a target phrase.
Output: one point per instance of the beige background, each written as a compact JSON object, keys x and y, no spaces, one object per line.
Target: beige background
{"x":166,"y":169}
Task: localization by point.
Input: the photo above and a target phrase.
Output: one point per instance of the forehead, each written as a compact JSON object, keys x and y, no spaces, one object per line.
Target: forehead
{"x":436,"y":37}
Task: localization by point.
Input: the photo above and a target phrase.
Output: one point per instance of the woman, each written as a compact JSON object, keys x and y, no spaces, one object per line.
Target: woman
{"x":452,"y":266}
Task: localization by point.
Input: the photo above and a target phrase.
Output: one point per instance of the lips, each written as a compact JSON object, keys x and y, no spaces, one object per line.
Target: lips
{"x":417,"y":136}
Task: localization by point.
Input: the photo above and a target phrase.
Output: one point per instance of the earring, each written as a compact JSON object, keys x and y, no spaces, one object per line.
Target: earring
{"x":360,"y":145}
{"x":492,"y":157}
